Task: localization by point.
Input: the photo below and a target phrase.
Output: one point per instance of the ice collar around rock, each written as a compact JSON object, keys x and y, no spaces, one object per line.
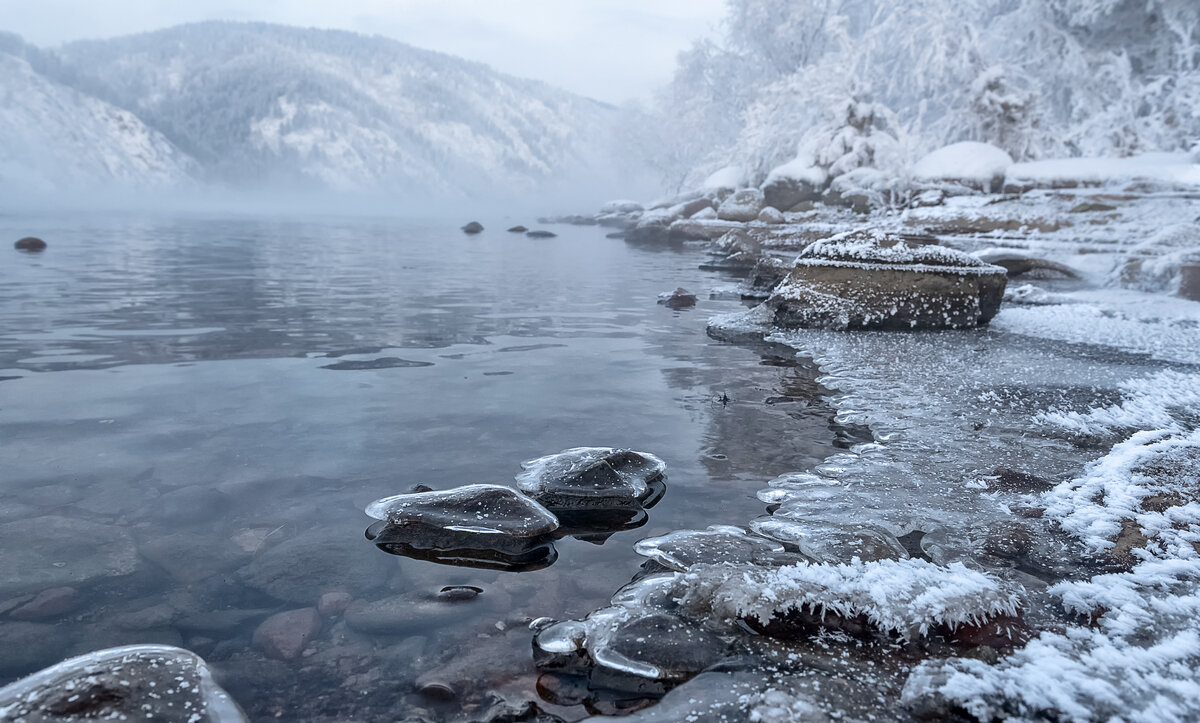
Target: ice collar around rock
{"x":136,"y":682}
{"x":877,"y":247}
{"x":575,"y":476}
{"x":480,"y":509}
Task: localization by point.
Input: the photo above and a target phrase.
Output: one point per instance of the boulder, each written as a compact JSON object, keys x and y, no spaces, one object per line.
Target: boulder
{"x":767,"y":273}
{"x":1017,"y":263}
{"x":301,"y":568}
{"x":473,"y":227}
{"x":541,"y":234}
{"x":60,"y":551}
{"x":31,"y":244}
{"x":591,"y":477}
{"x":874,"y":280}
{"x":678,"y":299}
{"x":771,"y":215}
{"x":789,"y":186}
{"x":978,"y":166}
{"x":743,"y":205}
{"x":622,"y":206}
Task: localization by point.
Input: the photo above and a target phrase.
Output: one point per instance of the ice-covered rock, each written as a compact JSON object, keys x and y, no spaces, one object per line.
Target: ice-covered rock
{"x":1166,"y":263}
{"x":827,"y":542}
{"x":875,"y":280}
{"x":479,"y":509}
{"x":705,"y":214}
{"x":768,"y":272}
{"x":743,"y":205}
{"x":980,"y":166}
{"x":794,"y":183}
{"x":771,"y":215}
{"x":585,"y":478}
{"x":724,"y":179}
{"x":681,"y":549}
{"x":622,"y":206}
{"x":465,"y":548}
{"x":137,"y":682}
{"x":680,"y":298}
{"x":1018,"y":264}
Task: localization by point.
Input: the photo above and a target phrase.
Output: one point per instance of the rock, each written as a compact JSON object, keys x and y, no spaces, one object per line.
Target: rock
{"x":856,"y":202}
{"x":698,"y":228}
{"x":770,"y":214}
{"x":30,"y":244}
{"x":978,"y":166}
{"x":662,"y":647}
{"x":136,"y":682}
{"x":622,"y":207}
{"x":191,"y":505}
{"x":541,"y":234}
{"x":873,"y":280}
{"x":785,"y":193}
{"x":51,"y":603}
{"x":704,"y":214}
{"x":1168,"y":262}
{"x":190,"y":557}
{"x":156,"y":616}
{"x":334,"y":603}
{"x":29,"y":646}
{"x":405,"y":614}
{"x":1092,"y":207}
{"x":591,"y":478}
{"x":472,"y":227}
{"x":828,"y":542}
{"x":221,"y":622}
{"x":459,"y":593}
{"x":691,"y":208}
{"x":284,"y":635}
{"x":650,"y":230}
{"x":743,"y":205}
{"x":517,"y":229}
{"x":480,"y":508}
{"x":1016,"y":263}
{"x":57,"y":551}
{"x":768,"y":272}
{"x":574,"y":220}
{"x":680,"y":298}
{"x":1003,"y":631}
{"x":303,"y":567}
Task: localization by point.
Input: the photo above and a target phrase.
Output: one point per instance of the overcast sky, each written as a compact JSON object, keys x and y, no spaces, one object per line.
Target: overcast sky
{"x":612,"y":50}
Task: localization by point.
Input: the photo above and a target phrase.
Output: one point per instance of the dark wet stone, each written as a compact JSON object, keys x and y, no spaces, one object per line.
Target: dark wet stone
{"x":301,"y":568}
{"x":459,"y":593}
{"x":831,"y":543}
{"x":52,"y":603}
{"x":30,"y":243}
{"x":677,"y":649}
{"x":155,"y":616}
{"x":140,"y":682}
{"x":591,"y":477}
{"x":284,"y":635}
{"x":219,"y":621}
{"x":387,"y":362}
{"x":405,"y":614}
{"x":541,"y":234}
{"x":517,"y":229}
{"x":463,"y":549}
{"x":1004,"y":631}
{"x":681,"y":549}
{"x":1018,"y":264}
{"x":472,"y":227}
{"x":1011,"y":480}
{"x":57,"y":551}
{"x":680,"y":298}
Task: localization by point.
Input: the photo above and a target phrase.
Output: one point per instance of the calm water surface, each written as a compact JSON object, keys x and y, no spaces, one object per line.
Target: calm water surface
{"x":194,"y":412}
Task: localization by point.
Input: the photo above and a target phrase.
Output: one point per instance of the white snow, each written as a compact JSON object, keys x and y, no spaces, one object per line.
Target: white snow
{"x":727,"y":178}
{"x":1169,"y":168}
{"x":966,"y":161}
{"x":799,"y":169}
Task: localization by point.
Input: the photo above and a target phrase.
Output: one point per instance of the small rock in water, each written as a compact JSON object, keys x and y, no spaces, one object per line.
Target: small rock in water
{"x":459,"y":593}
{"x":472,"y":227}
{"x":517,"y":229}
{"x":680,"y":298}
{"x":284,"y":635}
{"x":334,"y":603}
{"x":541,"y":234}
{"x":832,"y":543}
{"x":31,"y":244}
{"x":592,"y":478}
{"x":48,"y":604}
{"x":137,"y":682}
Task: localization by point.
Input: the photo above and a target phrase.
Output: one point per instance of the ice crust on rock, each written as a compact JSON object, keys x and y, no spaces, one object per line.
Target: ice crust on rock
{"x":483,"y":509}
{"x":136,"y":682}
{"x":906,"y":597}
{"x":874,"y":246}
{"x":681,"y":549}
{"x":591,"y":477}
{"x":826,"y":542}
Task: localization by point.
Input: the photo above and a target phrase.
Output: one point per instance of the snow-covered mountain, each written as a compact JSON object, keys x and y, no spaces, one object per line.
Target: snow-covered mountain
{"x":257,"y":106}
{"x":262,"y":104}
{"x":55,"y":137}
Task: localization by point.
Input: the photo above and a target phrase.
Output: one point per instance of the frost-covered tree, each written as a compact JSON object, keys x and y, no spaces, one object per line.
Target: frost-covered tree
{"x":1035,"y":77}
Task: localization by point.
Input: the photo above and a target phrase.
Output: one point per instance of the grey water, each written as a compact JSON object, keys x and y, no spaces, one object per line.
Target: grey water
{"x":195,"y":411}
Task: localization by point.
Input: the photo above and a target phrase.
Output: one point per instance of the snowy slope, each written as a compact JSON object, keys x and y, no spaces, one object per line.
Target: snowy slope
{"x":53,"y":138}
{"x":260,"y":103}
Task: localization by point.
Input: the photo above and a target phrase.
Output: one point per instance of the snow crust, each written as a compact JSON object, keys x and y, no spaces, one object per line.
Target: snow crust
{"x":965,"y":161}
{"x":1170,"y":168}
{"x":874,"y":246}
{"x":908,"y":597}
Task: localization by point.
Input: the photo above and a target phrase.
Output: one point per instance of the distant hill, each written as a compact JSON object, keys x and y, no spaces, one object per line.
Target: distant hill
{"x":260,"y":105}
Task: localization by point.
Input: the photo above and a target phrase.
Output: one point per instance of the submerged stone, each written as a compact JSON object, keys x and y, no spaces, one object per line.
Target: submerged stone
{"x":464,"y":549}
{"x":592,"y":478}
{"x":53,"y":551}
{"x":138,"y":682}
{"x":874,"y":280}
{"x":30,"y":243}
{"x":479,"y":509}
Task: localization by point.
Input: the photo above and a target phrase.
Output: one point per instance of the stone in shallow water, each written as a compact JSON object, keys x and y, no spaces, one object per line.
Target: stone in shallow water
{"x":874,"y":280}
{"x":681,"y":549}
{"x":137,"y":682}
{"x":301,"y":568}
{"x":479,"y":509}
{"x":464,"y":549}
{"x":56,"y":551}
{"x":592,"y":478}
{"x":831,"y":543}
{"x":678,"y":299}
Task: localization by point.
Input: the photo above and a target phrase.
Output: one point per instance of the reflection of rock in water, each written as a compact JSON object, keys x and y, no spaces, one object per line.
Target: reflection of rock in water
{"x":465,"y":549}
{"x":139,"y":682}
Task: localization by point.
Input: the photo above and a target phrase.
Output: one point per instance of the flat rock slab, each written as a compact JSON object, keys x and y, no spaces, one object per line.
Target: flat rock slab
{"x":137,"y":682}
{"x":53,"y":551}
